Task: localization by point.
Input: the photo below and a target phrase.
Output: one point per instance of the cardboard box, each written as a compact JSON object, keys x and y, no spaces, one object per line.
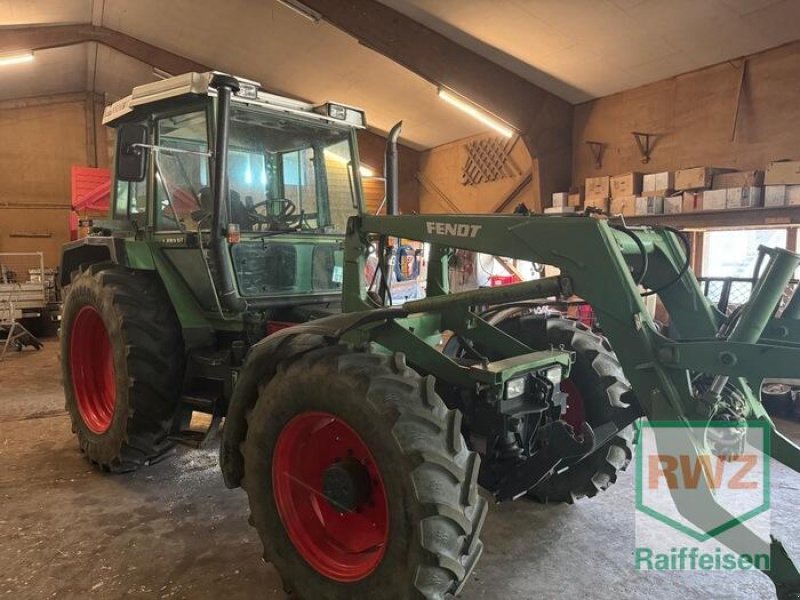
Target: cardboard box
{"x":598,"y":203}
{"x":560,"y":198}
{"x":673,"y":204}
{"x":627,"y":184}
{"x":658,"y":182}
{"x":774,"y":195}
{"x":697,"y":178}
{"x":793,"y":195}
{"x":575,"y":199}
{"x":692,"y":201}
{"x":623,"y":205}
{"x":559,"y":210}
{"x":649,"y":205}
{"x":715,"y":199}
{"x":723,"y":181}
{"x":598,"y":188}
{"x":744,"y":197}
{"x":785,"y":172}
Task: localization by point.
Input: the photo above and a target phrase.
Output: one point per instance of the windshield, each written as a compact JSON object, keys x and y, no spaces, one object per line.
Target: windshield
{"x":289,"y":175}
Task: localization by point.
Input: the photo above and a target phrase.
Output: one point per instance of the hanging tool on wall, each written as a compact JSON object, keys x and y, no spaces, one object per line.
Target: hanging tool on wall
{"x":597,"y":149}
{"x":645,"y":142}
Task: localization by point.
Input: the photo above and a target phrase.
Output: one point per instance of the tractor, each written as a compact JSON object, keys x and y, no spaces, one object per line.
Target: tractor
{"x":230,"y":280}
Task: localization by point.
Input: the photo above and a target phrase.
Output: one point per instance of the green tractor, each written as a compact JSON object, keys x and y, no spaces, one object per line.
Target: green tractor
{"x":231,"y":281}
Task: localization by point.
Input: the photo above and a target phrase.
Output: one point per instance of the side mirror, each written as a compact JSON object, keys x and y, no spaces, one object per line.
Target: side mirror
{"x":131,"y":157}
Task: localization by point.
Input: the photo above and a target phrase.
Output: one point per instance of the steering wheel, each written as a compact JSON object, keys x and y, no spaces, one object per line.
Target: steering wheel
{"x":288,"y":215}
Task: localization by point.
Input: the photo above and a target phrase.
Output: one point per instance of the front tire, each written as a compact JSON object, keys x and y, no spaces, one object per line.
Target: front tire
{"x":596,"y":388}
{"x":359,"y":481}
{"x":122,"y":365}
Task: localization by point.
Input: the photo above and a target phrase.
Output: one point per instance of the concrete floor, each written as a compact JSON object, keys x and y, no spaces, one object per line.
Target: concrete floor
{"x":173,"y":531}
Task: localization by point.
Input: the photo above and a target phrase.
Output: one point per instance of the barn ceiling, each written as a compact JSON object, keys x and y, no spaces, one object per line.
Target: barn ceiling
{"x":584,"y":49}
{"x":577,"y":49}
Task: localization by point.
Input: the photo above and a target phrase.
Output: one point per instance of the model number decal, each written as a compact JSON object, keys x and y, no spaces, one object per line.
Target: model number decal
{"x":464,"y":230}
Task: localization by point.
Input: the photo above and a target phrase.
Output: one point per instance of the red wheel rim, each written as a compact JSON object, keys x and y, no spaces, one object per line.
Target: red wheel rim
{"x":92,"y":367}
{"x":576,"y":408}
{"x":342,"y":545}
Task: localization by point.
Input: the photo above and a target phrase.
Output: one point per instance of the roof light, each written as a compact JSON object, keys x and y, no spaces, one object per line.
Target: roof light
{"x":475,"y":112}
{"x":302,"y":10}
{"x":161,"y":73}
{"x":15,"y":59}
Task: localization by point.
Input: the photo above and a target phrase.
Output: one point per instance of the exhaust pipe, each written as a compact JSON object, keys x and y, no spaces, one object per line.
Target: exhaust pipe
{"x":390,"y":171}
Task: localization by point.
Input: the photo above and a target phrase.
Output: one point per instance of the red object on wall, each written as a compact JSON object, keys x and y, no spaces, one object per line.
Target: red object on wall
{"x":91,"y":193}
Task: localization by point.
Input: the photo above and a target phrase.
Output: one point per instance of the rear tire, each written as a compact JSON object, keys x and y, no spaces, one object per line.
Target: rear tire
{"x":122,"y":365}
{"x":424,"y":541}
{"x":597,"y":387}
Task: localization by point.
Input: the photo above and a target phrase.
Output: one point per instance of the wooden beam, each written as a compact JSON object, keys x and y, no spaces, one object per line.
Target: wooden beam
{"x":791,"y":239}
{"x":32,"y":101}
{"x":543,"y":119}
{"x":91,"y":132}
{"x":739,"y":88}
{"x":501,"y":206}
{"x":43,"y":37}
{"x":432,"y":187}
{"x":698,"y":250}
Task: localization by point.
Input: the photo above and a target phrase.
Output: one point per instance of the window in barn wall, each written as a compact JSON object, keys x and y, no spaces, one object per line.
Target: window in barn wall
{"x":733,"y":253}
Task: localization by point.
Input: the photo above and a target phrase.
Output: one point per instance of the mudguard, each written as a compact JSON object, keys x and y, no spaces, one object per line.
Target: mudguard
{"x":89,"y":250}
{"x":261,"y":365}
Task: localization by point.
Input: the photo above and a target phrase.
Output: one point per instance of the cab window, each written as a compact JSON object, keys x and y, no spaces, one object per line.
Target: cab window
{"x":183,"y":193}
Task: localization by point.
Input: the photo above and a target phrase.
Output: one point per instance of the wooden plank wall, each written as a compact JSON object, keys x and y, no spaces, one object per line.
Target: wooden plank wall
{"x":695,"y":115}
{"x":41,"y":140}
{"x":440,"y":181}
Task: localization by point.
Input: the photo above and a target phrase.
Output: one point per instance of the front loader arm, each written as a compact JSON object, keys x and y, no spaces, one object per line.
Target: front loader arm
{"x":598,"y":261}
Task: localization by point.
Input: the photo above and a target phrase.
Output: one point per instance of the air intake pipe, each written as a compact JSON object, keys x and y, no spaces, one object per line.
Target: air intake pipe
{"x":390,"y":171}
{"x":226,"y":86}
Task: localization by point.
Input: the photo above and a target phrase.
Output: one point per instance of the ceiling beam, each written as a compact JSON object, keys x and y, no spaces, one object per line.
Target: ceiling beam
{"x":543,"y":119}
{"x":45,"y":37}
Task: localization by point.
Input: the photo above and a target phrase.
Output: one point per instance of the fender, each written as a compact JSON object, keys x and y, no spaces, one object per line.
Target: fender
{"x":87,"y":251}
{"x":262,"y":364}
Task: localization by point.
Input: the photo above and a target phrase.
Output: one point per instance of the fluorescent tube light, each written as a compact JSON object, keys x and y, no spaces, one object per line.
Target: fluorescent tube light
{"x":161,"y":73}
{"x":475,"y":112}
{"x":302,"y":10}
{"x":15,"y":59}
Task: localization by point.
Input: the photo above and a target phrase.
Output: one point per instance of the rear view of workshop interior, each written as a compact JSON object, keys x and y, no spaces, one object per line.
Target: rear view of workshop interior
{"x":677,"y":117}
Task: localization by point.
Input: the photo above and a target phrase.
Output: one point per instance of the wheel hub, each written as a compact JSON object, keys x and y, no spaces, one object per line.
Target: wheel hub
{"x":330,"y":496}
{"x":92,"y":370}
{"x":346,"y":485}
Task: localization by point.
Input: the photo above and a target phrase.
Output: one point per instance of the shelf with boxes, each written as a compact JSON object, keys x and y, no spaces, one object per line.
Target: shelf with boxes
{"x":694,"y":190}
{"x":727,"y":218}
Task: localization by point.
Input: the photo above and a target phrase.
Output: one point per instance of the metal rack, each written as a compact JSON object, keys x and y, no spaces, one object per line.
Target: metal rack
{"x":23,"y":293}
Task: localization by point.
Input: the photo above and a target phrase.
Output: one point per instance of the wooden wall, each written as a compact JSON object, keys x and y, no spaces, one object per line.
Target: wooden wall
{"x":441,"y":177}
{"x":40,"y":140}
{"x":695,"y":115}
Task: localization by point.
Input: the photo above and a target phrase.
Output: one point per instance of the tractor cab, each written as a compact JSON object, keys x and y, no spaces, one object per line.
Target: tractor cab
{"x":245,"y":195}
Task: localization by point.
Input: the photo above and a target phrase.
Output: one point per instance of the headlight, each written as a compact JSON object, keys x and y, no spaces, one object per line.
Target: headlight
{"x":554,"y":374}
{"x":515,"y":388}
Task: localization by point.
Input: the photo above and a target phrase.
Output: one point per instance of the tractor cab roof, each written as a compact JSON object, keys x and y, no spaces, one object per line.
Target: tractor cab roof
{"x":250,"y":92}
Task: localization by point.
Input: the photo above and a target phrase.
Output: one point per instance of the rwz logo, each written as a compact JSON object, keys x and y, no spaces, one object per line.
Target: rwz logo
{"x":685,"y":471}
{"x":464,"y":230}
